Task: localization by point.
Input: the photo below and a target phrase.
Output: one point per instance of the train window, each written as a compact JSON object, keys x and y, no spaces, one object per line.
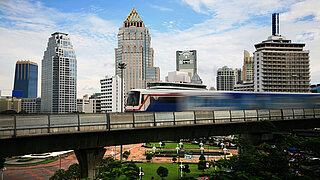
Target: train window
{"x":167,"y":100}
{"x":133,"y":98}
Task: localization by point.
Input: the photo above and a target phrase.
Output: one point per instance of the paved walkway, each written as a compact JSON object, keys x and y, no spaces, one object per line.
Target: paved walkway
{"x":45,"y":171}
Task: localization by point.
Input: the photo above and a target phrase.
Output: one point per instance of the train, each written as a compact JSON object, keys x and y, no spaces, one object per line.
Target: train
{"x":175,"y":100}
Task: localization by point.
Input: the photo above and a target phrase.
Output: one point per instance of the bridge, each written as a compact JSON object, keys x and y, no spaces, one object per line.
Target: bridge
{"x":88,"y":134}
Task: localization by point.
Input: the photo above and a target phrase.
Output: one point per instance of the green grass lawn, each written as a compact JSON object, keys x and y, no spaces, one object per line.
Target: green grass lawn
{"x":150,"y":169}
{"x":173,"y":145}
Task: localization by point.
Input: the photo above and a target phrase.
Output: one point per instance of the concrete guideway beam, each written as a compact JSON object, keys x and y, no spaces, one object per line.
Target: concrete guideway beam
{"x":88,"y":160}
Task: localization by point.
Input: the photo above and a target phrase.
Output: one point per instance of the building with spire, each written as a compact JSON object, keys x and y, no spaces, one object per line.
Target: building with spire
{"x":59,"y":76}
{"x":134,"y":49}
{"x":280,"y":65}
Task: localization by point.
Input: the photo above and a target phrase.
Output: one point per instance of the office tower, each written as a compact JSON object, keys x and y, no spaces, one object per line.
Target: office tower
{"x":111,"y":94}
{"x":280,"y":65}
{"x":26,"y":78}
{"x":237,"y":76}
{"x":247,"y":68}
{"x":275,"y":24}
{"x":59,"y":76}
{"x":134,"y":49}
{"x":186,"y":61}
{"x":225,"y":79}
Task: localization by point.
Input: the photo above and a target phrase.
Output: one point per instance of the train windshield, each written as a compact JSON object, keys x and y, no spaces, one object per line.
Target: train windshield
{"x":133,"y":98}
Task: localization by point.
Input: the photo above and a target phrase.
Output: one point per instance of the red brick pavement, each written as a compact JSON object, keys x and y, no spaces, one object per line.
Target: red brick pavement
{"x":45,"y":171}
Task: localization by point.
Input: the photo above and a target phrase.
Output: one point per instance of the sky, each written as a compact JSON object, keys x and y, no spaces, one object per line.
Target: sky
{"x":220,"y":30}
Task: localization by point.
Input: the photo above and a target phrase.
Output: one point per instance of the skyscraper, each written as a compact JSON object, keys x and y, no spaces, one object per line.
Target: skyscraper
{"x":134,"y":49}
{"x":26,"y":78}
{"x":247,"y":68}
{"x":59,"y":76}
{"x":280,"y":65}
{"x":225,"y":79}
{"x":186,"y":61}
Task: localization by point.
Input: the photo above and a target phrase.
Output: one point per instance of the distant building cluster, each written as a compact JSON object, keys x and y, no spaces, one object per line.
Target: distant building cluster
{"x":277,"y":65}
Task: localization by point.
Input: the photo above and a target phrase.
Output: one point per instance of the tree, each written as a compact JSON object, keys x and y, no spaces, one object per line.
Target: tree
{"x":162,"y":172}
{"x":130,"y":170}
{"x":202,"y":158}
{"x":59,"y":175}
{"x":186,"y":169}
{"x":73,"y":172}
{"x":202,"y":165}
{"x":111,"y":171}
{"x":149,"y":157}
{"x":174,"y":159}
{"x":126,"y":154}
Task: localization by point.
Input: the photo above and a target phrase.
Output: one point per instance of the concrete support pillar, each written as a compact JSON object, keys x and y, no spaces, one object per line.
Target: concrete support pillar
{"x":88,"y":160}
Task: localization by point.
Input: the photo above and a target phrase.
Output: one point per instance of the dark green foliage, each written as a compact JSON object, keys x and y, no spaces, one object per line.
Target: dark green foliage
{"x":8,"y":112}
{"x":268,"y":161}
{"x":130,"y":170}
{"x":202,"y":158}
{"x":202,"y":165}
{"x":148,"y":157}
{"x":174,"y":159}
{"x":110,"y":169}
{"x":186,"y":169}
{"x":126,"y":154}
{"x":162,"y":172}
{"x":73,"y":172}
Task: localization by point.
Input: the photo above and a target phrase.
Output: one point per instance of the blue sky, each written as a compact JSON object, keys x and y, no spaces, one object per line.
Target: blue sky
{"x":218,"y":29}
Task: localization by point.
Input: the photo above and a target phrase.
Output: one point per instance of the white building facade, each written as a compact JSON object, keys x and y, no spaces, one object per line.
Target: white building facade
{"x":111,"y":94}
{"x":59,"y":76}
{"x":31,"y":105}
{"x":178,"y":76}
{"x":225,"y":79}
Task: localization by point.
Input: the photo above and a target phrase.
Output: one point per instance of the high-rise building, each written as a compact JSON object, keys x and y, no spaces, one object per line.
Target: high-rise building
{"x":26,"y":78}
{"x":237,"y":76}
{"x":280,"y":65}
{"x":134,"y":49}
{"x":225,"y":79}
{"x":59,"y":76}
{"x":186,"y":61}
{"x":111,"y":94}
{"x":247,"y":68}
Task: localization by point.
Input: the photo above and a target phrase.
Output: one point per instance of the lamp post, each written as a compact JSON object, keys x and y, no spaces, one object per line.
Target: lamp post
{"x":140,"y":173}
{"x":201,"y":149}
{"x":2,"y":172}
{"x":121,"y":66}
{"x":181,"y":144}
{"x":154,"y":149}
{"x":177,"y":148}
{"x":160,"y":143}
{"x":224,"y":151}
{"x":181,"y":167}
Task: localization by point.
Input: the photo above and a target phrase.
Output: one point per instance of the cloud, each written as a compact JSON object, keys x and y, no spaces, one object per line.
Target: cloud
{"x":161,"y":8}
{"x":25,"y":30}
{"x":235,"y":26}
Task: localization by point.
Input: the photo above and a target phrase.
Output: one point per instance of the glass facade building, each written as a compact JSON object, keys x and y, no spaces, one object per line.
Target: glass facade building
{"x":26,"y":78}
{"x":134,"y":49}
{"x":59,"y":76}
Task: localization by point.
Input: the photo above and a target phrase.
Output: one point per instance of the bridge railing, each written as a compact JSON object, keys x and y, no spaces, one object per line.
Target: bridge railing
{"x":23,"y":125}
